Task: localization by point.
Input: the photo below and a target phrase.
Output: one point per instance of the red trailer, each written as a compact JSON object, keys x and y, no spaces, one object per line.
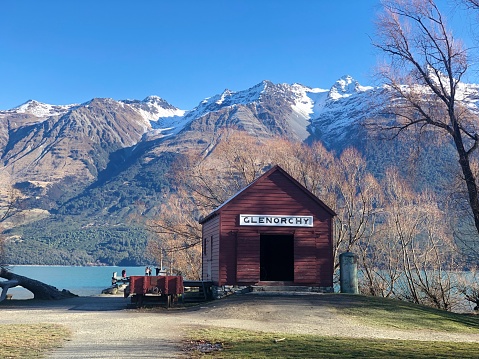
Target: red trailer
{"x":155,"y":289}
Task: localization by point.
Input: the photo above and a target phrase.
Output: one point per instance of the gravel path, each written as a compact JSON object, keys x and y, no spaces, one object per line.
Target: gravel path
{"x":103,"y":328}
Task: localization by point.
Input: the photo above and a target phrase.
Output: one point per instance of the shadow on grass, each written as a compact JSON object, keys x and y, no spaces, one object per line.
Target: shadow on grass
{"x":400,"y":314}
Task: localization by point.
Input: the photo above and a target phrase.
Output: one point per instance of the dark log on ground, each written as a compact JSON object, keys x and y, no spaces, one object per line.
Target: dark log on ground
{"x":39,"y":289}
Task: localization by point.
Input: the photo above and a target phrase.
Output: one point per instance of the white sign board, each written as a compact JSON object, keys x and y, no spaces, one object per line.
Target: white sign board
{"x":275,"y":221}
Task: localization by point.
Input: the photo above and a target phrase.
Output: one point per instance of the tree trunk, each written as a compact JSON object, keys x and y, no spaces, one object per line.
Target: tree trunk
{"x":6,"y":285}
{"x":469,"y":178}
{"x":39,"y":289}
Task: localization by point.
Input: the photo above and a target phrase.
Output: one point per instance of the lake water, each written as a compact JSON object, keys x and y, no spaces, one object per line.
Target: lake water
{"x":83,"y":281}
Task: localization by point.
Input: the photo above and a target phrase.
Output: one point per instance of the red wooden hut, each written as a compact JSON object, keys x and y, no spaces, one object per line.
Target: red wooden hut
{"x":273,"y":232}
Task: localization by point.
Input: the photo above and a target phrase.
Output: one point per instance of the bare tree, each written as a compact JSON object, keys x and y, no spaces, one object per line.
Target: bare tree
{"x":239,"y":158}
{"x":203,"y":183}
{"x":9,"y":208}
{"x":357,"y":198}
{"x":206,"y":182}
{"x":424,"y":72}
{"x":414,"y":258}
{"x":243,"y":157}
{"x":177,"y":242}
{"x":312,"y":165}
{"x":400,"y":236}
{"x":468,"y":286}
{"x":472,"y":4}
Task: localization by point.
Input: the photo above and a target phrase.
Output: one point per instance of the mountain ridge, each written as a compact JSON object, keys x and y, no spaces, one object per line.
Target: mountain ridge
{"x":100,"y":163}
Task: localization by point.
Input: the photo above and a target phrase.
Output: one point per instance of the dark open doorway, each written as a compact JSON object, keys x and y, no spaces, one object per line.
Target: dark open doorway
{"x":277,"y":257}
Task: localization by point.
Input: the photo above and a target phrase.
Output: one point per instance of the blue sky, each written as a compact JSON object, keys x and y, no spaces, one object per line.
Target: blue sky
{"x":69,"y":51}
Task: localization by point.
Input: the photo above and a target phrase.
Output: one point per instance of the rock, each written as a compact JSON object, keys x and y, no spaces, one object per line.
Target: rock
{"x":112,"y":290}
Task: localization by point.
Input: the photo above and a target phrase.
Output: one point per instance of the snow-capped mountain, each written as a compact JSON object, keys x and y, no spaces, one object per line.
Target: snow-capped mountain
{"x":346,"y":86}
{"x":107,"y":159}
{"x":35,"y":133}
{"x":347,"y":104}
{"x":41,"y":142}
{"x":151,"y":109}
{"x":295,"y":111}
{"x":264,"y":109}
{"x":154,"y":108}
{"x":71,"y":146}
{"x":41,"y":110}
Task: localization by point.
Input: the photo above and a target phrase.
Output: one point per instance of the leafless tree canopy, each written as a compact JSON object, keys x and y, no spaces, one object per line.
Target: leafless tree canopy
{"x":205,"y":183}
{"x":424,"y":68}
{"x":402,"y":237}
{"x":9,"y":210}
{"x":472,"y":4}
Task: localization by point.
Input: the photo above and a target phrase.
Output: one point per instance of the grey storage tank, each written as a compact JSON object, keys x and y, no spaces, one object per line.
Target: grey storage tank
{"x":348,"y":273}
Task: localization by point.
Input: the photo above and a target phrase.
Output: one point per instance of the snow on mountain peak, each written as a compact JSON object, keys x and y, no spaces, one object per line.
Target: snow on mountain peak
{"x":224,"y":96}
{"x":153,"y":108}
{"x":308,"y":100}
{"x":41,"y":110}
{"x":345,"y":87}
{"x":230,"y":98}
{"x":153,"y":98}
{"x":157,"y":101}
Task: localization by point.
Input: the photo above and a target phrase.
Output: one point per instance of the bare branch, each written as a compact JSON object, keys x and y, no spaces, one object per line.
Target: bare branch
{"x":426,"y":67}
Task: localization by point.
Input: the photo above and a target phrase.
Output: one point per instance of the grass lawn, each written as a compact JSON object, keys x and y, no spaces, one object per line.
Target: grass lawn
{"x":25,"y":341}
{"x":248,"y":345}
{"x":392,"y":313}
{"x":370,"y":311}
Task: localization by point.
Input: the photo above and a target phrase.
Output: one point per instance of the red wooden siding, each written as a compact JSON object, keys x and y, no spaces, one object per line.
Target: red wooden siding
{"x":239,"y":246}
{"x":211,"y":234}
{"x":247,"y":261}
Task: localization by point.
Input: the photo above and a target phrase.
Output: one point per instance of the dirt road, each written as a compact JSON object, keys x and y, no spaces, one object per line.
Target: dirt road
{"x":103,"y":328}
